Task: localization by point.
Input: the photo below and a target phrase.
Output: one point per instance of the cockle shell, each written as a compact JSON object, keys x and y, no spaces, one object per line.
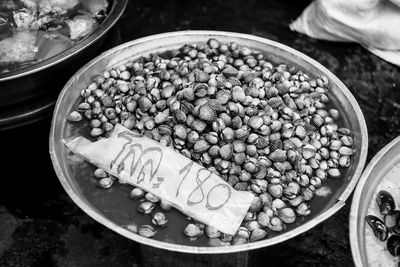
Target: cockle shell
{"x":275,"y":144}
{"x":278,"y":155}
{"x":241,"y":186}
{"x":255,"y":122}
{"x":275,"y":224}
{"x":239,"y":158}
{"x":136,"y":193}
{"x":242,"y":133}
{"x":275,"y":102}
{"x":198,"y":125}
{"x":257,"y":234}
{"x":144,"y":103}
{"x":193,"y":230}
{"x":261,"y":142}
{"x":236,"y":122}
{"x":146,"y":207}
{"x":214,"y":151}
{"x":238,"y":94}
{"x":226,"y":151}
{"x":201,"y":146}
{"x":105,"y":182}
{"x":230,"y":71}
{"x":159,"y":219}
{"x":239,"y":146}
{"x":212,"y":232}
{"x":275,"y":190}
{"x":100,"y":173}
{"x":228,"y":134}
{"x":180,"y":131}
{"x":146,"y":230}
{"x":303,"y":209}
{"x":263,"y":219}
{"x":211,"y":137}
{"x":206,"y":113}
{"x":287,"y":215}
{"x":151,"y":198}
{"x":179,"y":116}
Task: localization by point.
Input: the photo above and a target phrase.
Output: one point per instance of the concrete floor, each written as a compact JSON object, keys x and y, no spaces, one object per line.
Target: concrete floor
{"x":41,"y":226}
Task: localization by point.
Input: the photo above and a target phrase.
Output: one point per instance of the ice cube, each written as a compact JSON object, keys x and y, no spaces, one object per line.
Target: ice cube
{"x":81,"y":26}
{"x":18,"y":48}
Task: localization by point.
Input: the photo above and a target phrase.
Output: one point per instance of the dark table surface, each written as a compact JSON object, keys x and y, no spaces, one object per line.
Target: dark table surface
{"x":41,"y":226}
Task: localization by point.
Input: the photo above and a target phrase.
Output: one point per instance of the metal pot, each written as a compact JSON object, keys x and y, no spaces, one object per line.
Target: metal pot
{"x":367,"y":250}
{"x":46,"y":77}
{"x":72,"y":179}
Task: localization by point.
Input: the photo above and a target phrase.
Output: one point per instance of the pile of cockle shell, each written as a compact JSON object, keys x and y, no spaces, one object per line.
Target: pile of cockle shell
{"x":390,"y":224}
{"x":262,"y":128}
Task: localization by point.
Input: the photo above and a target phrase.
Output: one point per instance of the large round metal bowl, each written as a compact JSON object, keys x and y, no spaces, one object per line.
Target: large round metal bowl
{"x":46,"y":76}
{"x":367,"y":250}
{"x":275,"y":52}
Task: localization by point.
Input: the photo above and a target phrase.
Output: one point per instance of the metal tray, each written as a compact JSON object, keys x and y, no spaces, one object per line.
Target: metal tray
{"x":109,"y":212}
{"x":383,"y":172}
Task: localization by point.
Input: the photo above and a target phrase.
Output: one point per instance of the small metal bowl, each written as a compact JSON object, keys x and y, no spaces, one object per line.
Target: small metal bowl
{"x":379,"y":175}
{"x":44,"y":77}
{"x":111,"y":212}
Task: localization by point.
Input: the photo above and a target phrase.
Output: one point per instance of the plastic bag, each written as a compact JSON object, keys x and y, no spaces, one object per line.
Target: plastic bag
{"x":160,"y":170}
{"x":375,"y":24}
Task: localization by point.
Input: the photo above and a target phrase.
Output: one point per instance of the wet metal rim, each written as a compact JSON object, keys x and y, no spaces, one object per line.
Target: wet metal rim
{"x":55,"y":127}
{"x":116,"y":11}
{"x":361,"y":199}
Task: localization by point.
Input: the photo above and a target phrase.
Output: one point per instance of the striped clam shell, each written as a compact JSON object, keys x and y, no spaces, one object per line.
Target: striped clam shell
{"x":274,"y":145}
{"x":271,"y":92}
{"x":261,"y":142}
{"x":179,"y":115}
{"x":198,"y":125}
{"x":186,"y":107}
{"x":201,"y":101}
{"x":207,"y":113}
{"x":165,"y":129}
{"x":216,"y":105}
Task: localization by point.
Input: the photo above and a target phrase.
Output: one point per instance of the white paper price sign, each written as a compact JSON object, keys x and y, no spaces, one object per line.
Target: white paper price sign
{"x":189,"y":187}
